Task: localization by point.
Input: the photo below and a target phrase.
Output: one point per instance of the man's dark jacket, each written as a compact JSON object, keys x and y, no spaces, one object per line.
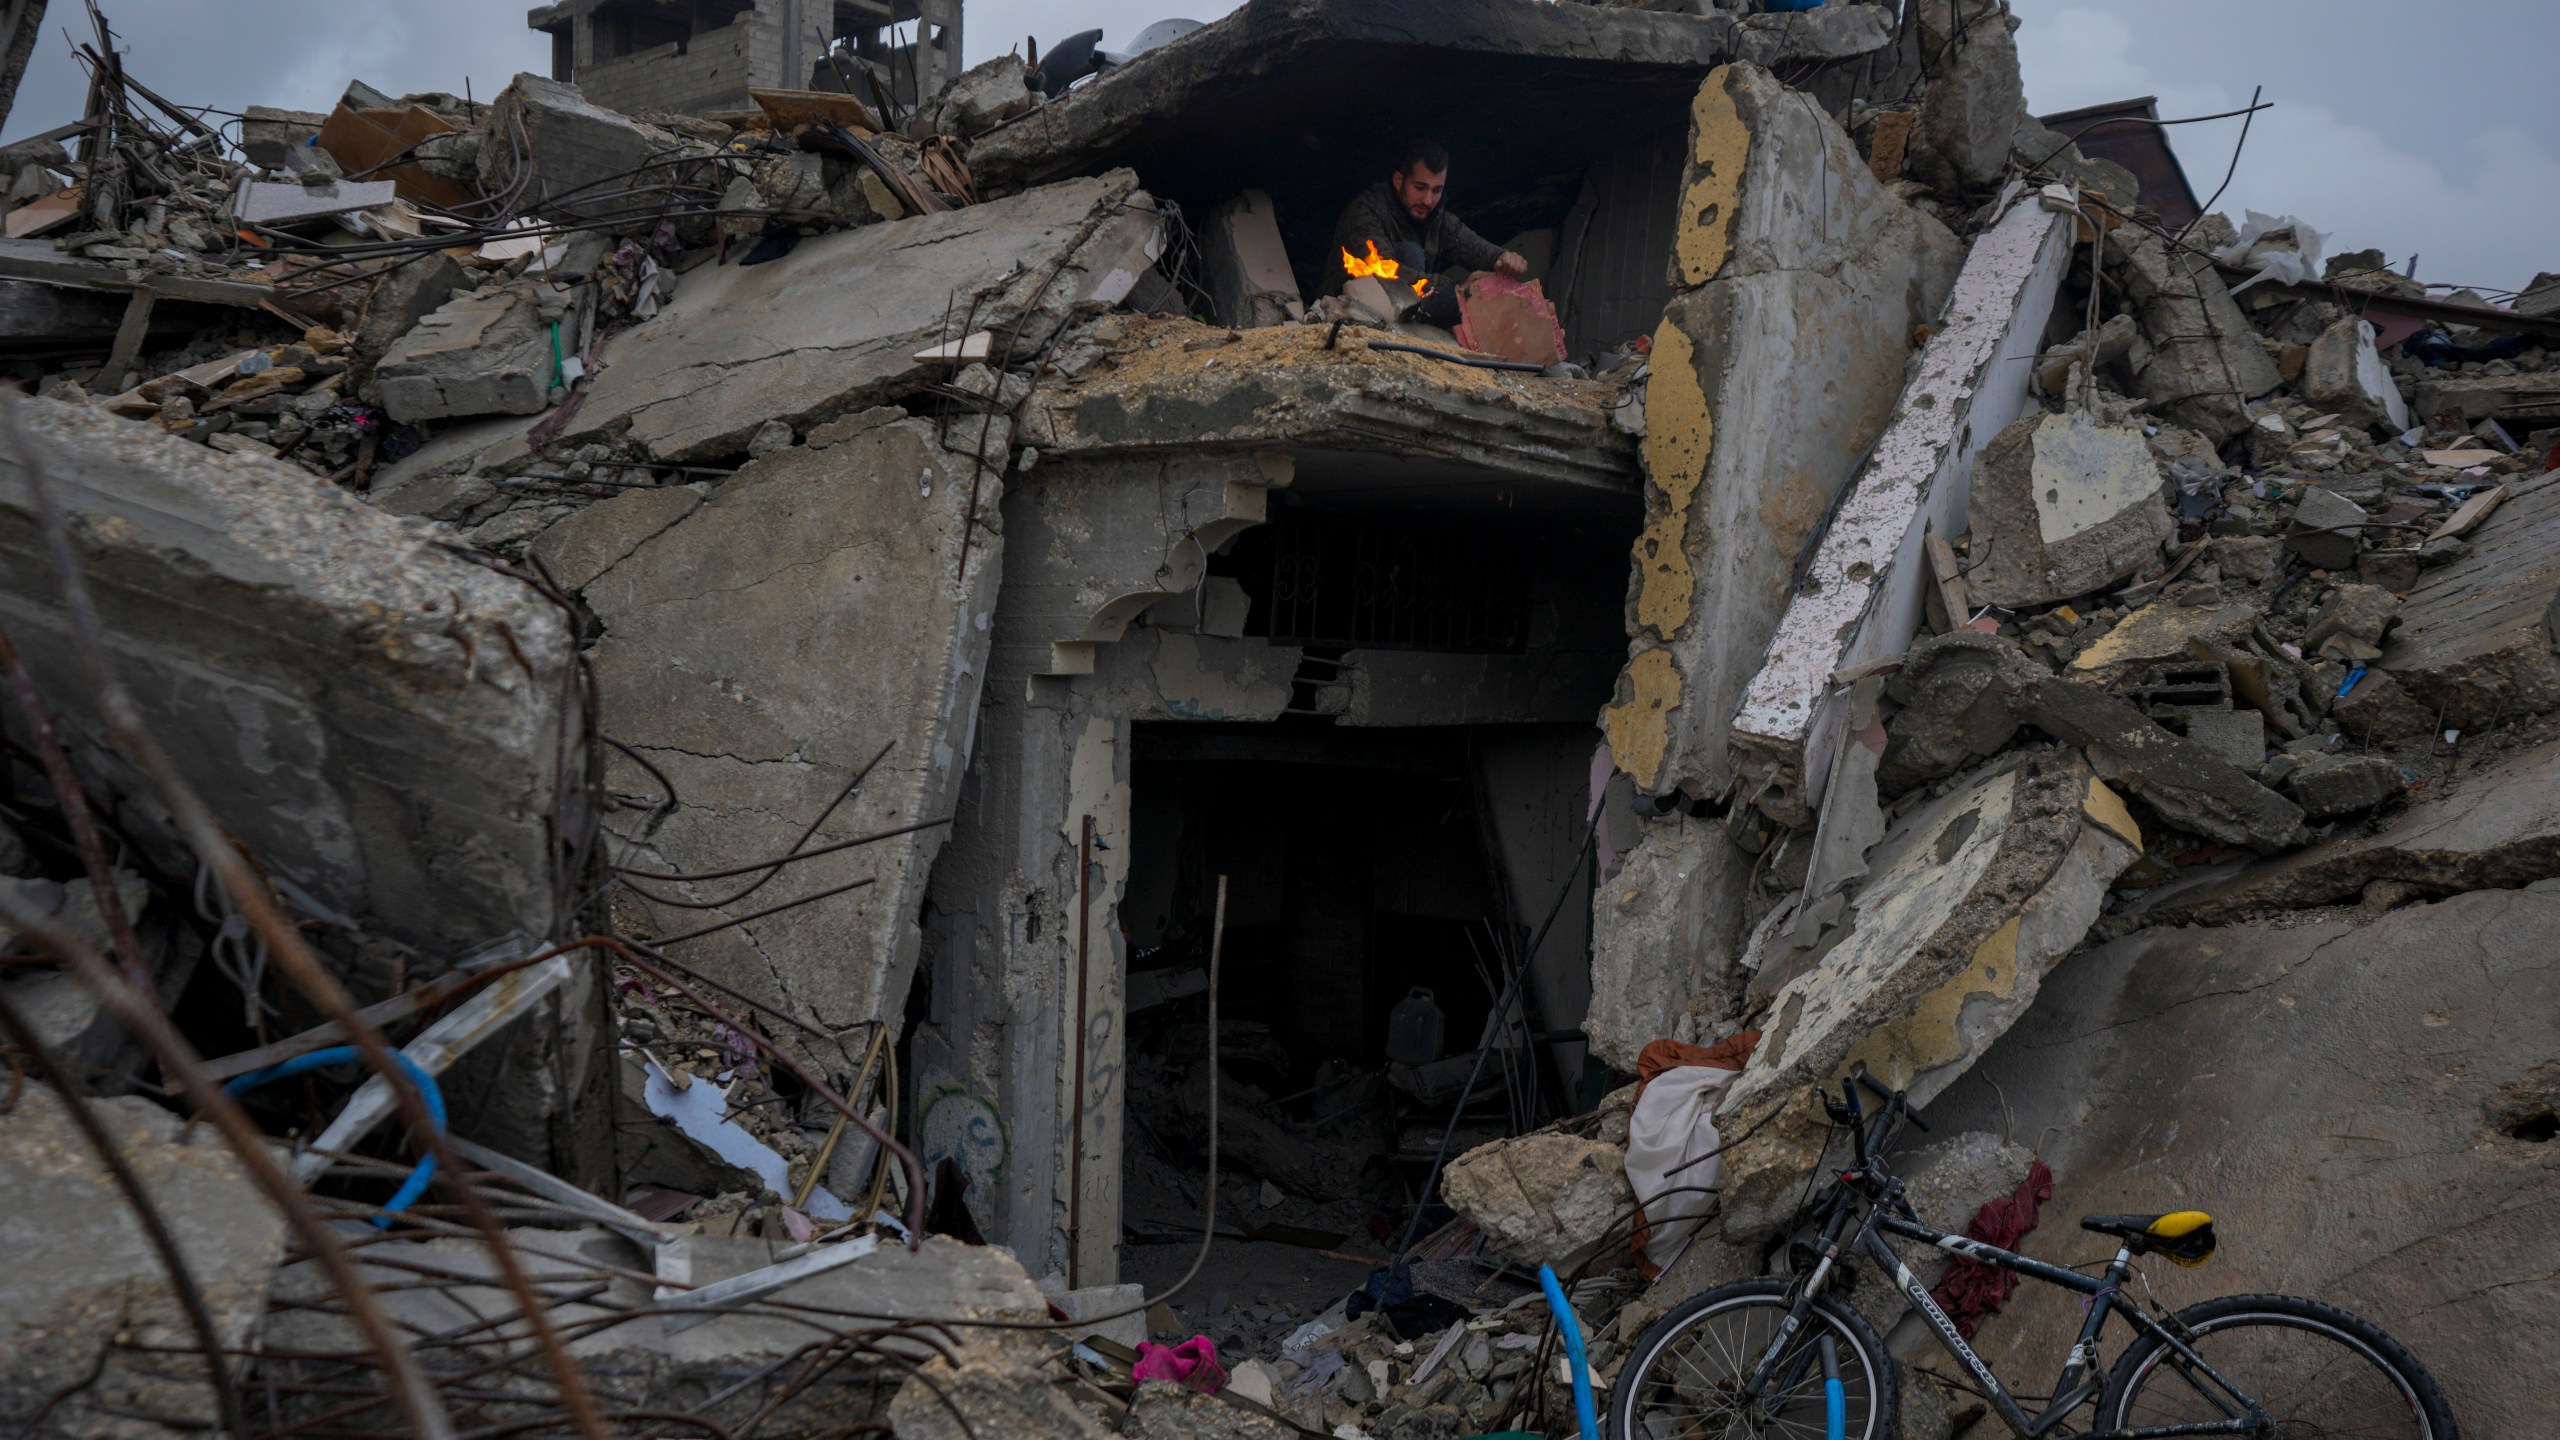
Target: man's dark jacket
{"x":1376,"y":214}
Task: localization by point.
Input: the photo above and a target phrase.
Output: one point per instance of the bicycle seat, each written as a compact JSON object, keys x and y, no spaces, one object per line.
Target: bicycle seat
{"x":2185,"y":1236}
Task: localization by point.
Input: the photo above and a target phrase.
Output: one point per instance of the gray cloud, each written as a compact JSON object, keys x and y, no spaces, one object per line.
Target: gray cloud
{"x":2416,"y":130}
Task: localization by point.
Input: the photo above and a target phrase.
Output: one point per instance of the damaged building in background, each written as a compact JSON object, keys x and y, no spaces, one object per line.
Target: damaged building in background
{"x":851,"y":659}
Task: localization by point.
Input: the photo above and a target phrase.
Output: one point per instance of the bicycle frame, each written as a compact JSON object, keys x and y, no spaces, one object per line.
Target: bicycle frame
{"x":1867,"y":1192}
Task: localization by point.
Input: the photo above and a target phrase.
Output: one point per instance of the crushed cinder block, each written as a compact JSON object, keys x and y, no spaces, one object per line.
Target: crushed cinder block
{"x":2335,"y":785}
{"x":2239,"y":736}
{"x":1969,"y":901}
{"x":270,"y":136}
{"x":2350,"y":623}
{"x":2185,"y":781}
{"x":2328,"y":529}
{"x":2062,"y":506}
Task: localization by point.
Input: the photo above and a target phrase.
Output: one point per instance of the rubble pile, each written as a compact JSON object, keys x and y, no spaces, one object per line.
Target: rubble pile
{"x":650,"y":645}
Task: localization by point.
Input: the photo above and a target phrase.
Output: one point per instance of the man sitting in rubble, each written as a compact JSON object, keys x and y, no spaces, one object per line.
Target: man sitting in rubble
{"x":1404,"y":217}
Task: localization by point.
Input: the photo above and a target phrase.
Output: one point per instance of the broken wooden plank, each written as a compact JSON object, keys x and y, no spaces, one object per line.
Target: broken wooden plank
{"x":2474,"y":510}
{"x":129,"y":338}
{"x":1950,"y":581}
{"x":30,"y":260}
{"x":975,"y":345}
{"x":793,"y":111}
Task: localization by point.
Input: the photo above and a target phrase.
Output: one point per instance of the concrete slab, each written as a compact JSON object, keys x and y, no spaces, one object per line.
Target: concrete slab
{"x":2062,"y":506}
{"x":2476,"y":638}
{"x":381,"y":723}
{"x":2344,"y":1101}
{"x":762,"y":650}
{"x":1803,"y":283}
{"x":489,"y":352}
{"x":1169,"y":386}
{"x":88,"y":1323}
{"x":834,"y":326}
{"x":1862,"y":596}
{"x":2500,"y":830}
{"x":1970,"y":901}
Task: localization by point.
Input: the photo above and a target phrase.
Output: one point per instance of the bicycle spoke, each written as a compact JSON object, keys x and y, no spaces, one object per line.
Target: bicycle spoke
{"x":2310,"y":1382}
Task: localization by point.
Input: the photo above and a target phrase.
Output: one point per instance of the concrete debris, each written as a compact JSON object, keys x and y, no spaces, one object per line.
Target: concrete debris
{"x":87,"y":1301}
{"x":1969,"y":114}
{"x":2061,"y":507}
{"x":1543,"y":1199}
{"x":2205,"y":358}
{"x":2340,"y":1013}
{"x":832,"y":647}
{"x":1968,"y":901}
{"x":1767,"y":285}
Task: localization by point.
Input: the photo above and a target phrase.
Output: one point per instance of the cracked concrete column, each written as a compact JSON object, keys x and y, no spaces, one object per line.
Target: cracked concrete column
{"x":1802,"y":282}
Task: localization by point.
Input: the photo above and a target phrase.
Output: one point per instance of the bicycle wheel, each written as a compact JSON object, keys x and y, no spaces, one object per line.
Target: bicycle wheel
{"x":1681,"y":1381}
{"x":2315,"y":1369}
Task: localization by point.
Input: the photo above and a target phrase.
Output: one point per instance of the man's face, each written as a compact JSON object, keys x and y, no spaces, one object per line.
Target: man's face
{"x":1419,"y":189}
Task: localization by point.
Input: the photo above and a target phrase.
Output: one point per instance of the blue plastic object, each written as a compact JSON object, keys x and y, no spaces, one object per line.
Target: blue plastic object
{"x":1835,"y":1401}
{"x":425,"y":1171}
{"x":1583,"y":1410}
{"x":1789,"y":7}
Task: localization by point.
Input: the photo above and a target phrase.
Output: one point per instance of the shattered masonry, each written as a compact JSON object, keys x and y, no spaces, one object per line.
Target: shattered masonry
{"x":769,"y":609}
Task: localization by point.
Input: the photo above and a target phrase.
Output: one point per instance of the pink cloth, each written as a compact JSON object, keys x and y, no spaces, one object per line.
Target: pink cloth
{"x":1192,"y":1364}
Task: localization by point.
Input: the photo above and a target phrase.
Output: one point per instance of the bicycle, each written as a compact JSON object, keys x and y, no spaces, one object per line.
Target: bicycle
{"x":1780,"y":1358}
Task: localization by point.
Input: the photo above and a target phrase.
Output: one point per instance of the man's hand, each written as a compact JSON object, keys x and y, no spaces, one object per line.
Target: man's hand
{"x":1511,"y":266}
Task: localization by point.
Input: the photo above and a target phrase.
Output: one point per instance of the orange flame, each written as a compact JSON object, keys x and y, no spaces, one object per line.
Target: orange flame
{"x":1380,"y":267}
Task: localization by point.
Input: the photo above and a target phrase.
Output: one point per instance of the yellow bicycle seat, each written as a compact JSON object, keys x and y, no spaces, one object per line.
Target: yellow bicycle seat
{"x":2185,"y":1236}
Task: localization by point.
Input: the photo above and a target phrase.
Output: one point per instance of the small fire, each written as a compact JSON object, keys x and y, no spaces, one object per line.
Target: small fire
{"x":1379,"y":266}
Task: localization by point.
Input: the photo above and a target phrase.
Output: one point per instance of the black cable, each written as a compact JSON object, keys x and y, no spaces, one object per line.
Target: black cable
{"x":1458,"y":1109}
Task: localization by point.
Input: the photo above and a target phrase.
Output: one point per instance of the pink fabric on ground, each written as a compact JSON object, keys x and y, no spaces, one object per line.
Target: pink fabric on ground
{"x":1192,"y":1364}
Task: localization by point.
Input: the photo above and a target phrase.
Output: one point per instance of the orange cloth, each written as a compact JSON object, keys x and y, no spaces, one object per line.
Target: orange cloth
{"x":1661,"y":1057}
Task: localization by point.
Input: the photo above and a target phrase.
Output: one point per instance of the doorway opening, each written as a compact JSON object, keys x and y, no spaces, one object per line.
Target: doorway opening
{"x":1384,"y":887}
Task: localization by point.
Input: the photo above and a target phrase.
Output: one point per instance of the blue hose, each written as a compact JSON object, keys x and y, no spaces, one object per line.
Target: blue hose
{"x":411,"y":1188}
{"x":1835,"y":1401}
{"x":1583,"y":1410}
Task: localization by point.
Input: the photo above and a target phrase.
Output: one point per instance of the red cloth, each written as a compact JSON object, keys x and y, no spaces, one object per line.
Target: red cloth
{"x":1193,"y":1364}
{"x":1970,"y":1289}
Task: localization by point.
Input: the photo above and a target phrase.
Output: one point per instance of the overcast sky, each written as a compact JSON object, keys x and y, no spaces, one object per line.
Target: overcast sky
{"x":2419,"y":128}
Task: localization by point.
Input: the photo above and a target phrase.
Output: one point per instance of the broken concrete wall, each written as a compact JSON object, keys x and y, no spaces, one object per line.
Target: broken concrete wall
{"x":1666,"y":929}
{"x":391,"y":731}
{"x":1969,"y":901}
{"x":1862,"y":597}
{"x":2365,"y":1112}
{"x":1804,"y":282}
{"x":834,"y":326}
{"x":762,"y":647}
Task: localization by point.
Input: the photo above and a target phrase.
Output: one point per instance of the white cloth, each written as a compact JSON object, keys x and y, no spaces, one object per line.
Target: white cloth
{"x":1673,"y":1124}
